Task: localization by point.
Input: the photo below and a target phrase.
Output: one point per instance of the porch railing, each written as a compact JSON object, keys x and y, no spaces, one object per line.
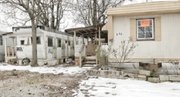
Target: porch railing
{"x":10,"y":51}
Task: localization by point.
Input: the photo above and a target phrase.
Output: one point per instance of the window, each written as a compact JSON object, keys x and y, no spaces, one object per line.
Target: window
{"x":22,"y":42}
{"x":69,"y":42}
{"x":50,"y":41}
{"x":19,"y":49}
{"x":59,"y":42}
{"x":145,"y":29}
{"x":1,"y":40}
{"x":38,"y":39}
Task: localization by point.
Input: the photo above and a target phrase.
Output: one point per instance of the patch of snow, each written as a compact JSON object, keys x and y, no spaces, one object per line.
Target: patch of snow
{"x":106,"y":87}
{"x":54,"y":70}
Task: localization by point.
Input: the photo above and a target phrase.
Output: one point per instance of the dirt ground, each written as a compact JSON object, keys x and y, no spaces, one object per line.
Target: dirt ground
{"x":27,"y":84}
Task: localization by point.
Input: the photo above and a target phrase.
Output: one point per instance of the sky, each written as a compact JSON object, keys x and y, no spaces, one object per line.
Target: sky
{"x":68,"y":22}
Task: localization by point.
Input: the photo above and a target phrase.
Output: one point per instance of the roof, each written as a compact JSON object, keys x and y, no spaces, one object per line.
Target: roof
{"x":86,"y":31}
{"x":40,"y":28}
{"x":150,"y":8}
{"x":56,"y":32}
{"x":19,"y":27}
{"x":5,"y":33}
{"x":89,"y":31}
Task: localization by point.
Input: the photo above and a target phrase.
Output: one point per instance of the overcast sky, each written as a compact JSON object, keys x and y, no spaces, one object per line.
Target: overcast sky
{"x":67,"y":22}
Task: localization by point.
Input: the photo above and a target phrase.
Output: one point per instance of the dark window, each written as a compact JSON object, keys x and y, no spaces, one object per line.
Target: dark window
{"x":145,"y":29}
{"x":59,"y":42}
{"x":1,"y":40}
{"x":69,"y":42}
{"x":22,"y":42}
{"x":19,"y":49}
{"x":38,"y":39}
{"x":50,"y":41}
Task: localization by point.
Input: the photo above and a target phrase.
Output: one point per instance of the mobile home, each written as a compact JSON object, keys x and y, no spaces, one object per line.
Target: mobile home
{"x":152,"y":26}
{"x":52,"y":47}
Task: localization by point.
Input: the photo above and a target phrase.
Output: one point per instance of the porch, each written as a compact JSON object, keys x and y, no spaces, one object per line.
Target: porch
{"x":92,"y":38}
{"x":10,"y":49}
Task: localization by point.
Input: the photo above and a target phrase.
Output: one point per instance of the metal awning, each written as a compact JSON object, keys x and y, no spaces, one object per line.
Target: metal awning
{"x":5,"y":33}
{"x":89,"y":31}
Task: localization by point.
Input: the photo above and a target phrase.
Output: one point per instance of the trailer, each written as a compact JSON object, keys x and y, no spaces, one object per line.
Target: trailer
{"x":52,"y":47}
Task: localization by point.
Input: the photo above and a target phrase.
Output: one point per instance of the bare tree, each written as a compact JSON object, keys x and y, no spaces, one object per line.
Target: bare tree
{"x":52,"y":13}
{"x":122,"y":53}
{"x":92,"y":12}
{"x":13,"y":16}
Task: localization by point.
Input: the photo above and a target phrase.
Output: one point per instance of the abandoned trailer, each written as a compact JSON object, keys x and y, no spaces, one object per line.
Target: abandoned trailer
{"x":52,"y":47}
{"x":153,"y":27}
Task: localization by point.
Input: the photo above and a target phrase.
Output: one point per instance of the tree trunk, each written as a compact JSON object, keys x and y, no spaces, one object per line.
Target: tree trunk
{"x":94,"y":12}
{"x":34,"y":44}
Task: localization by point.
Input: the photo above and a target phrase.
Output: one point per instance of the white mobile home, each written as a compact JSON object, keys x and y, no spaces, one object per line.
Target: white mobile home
{"x":153,"y":26}
{"x":52,"y":47}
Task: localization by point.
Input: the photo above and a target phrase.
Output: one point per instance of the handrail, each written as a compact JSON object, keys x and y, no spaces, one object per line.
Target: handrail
{"x":10,"y":51}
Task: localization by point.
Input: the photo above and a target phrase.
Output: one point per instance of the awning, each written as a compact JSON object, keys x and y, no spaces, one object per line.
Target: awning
{"x":89,"y":31}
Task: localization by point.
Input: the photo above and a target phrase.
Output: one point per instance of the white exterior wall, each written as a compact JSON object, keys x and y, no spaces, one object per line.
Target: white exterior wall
{"x":169,"y":45}
{"x":50,"y":55}
{"x":27,"y":48}
{"x":55,"y":51}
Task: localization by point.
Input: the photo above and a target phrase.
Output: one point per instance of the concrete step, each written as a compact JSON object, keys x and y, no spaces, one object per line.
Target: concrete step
{"x":90,"y":62}
{"x":91,"y":58}
{"x":89,"y":65}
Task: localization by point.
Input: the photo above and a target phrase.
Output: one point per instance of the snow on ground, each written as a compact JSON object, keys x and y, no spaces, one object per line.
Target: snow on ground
{"x":43,"y":69}
{"x":106,"y":87}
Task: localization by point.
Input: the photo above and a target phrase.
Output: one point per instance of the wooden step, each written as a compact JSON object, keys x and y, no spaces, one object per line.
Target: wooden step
{"x":90,"y":62}
{"x":91,"y":57}
{"x":89,"y":65}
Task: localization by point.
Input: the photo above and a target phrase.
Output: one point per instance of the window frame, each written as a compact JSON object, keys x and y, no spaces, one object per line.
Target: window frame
{"x":1,"y":40}
{"x":59,"y":42}
{"x":38,"y":42}
{"x":48,"y":42}
{"x":153,"y":30}
{"x":22,"y":42}
{"x":69,"y":43}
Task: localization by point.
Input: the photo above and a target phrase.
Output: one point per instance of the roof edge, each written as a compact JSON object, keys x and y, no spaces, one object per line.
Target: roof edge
{"x":148,"y":8}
